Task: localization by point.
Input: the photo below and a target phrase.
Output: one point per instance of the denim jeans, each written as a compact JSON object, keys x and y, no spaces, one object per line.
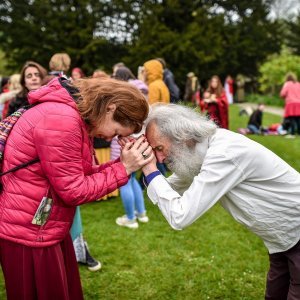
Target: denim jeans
{"x":253,"y":129}
{"x":132,"y":197}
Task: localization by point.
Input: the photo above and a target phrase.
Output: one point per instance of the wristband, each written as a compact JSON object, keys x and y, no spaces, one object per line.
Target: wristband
{"x":151,"y":176}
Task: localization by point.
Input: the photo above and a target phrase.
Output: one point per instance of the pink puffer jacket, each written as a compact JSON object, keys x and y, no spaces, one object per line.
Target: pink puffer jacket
{"x":54,"y":132}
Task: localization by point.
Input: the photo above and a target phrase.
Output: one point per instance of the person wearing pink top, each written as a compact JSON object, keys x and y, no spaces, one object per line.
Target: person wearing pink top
{"x":291,"y":94}
{"x":36,"y":254}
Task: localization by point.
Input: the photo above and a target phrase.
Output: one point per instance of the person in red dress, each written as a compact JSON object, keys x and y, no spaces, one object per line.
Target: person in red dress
{"x":215,"y":103}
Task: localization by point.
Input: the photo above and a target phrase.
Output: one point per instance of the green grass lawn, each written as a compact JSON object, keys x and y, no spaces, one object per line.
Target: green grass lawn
{"x":215,"y":258}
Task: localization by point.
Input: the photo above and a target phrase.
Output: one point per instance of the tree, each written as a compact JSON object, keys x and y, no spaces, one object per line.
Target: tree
{"x":3,"y":67}
{"x":249,"y":35}
{"x":183,"y":33}
{"x":35,"y":30}
{"x":294,"y":35}
{"x":275,"y":68}
{"x":207,"y":37}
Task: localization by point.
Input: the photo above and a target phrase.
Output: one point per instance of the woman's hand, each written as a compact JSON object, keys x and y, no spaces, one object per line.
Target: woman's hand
{"x":213,"y":98}
{"x":126,"y":139}
{"x":136,"y":154}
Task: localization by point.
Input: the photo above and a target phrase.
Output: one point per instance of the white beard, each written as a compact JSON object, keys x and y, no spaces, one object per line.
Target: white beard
{"x":186,"y":161}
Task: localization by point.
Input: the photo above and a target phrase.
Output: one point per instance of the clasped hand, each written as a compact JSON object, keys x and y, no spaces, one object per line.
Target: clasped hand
{"x":135,"y":154}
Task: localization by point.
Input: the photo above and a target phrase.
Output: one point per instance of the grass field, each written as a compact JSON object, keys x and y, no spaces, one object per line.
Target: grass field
{"x":215,"y":258}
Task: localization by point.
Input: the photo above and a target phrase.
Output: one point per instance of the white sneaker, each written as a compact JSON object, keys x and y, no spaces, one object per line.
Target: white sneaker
{"x":124,"y":221}
{"x":283,"y":132}
{"x":290,"y":136}
{"x":143,"y":218}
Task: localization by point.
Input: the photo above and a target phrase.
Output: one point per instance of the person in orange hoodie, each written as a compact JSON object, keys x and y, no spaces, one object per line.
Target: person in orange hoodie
{"x":158,"y":91}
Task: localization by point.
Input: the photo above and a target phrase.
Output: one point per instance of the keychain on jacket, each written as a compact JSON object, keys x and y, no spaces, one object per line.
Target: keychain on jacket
{"x":43,"y":211}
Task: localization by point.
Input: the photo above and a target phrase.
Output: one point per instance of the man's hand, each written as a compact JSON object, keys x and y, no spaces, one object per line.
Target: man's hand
{"x":135,"y":155}
{"x":150,"y":167}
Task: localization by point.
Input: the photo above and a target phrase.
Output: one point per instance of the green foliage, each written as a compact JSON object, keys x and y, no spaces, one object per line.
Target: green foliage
{"x":3,"y":64}
{"x":274,"y":70}
{"x":203,"y":36}
{"x":250,"y":38}
{"x":293,"y":36}
{"x":35,"y":30}
{"x":274,"y":100}
{"x":206,"y":37}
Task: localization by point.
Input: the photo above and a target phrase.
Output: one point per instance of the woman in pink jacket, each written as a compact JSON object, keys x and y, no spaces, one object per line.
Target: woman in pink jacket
{"x":291,"y":94}
{"x":36,"y":251}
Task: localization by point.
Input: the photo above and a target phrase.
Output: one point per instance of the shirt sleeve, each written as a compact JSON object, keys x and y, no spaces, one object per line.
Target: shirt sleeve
{"x":218,"y":175}
{"x":151,"y":176}
{"x":178,"y":184}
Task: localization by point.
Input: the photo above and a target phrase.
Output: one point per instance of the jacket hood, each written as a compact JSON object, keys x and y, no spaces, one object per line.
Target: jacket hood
{"x":54,"y":91}
{"x":154,"y":70}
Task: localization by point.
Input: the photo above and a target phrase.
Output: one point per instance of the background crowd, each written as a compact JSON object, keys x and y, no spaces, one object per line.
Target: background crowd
{"x":157,"y":84}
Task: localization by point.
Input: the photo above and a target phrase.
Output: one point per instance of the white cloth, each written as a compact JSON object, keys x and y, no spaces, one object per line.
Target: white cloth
{"x":79,"y":248}
{"x":229,"y":96}
{"x":254,"y":185}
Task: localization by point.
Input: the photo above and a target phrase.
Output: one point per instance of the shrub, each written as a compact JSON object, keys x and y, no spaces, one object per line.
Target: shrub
{"x":274,"y":70}
{"x":274,"y":100}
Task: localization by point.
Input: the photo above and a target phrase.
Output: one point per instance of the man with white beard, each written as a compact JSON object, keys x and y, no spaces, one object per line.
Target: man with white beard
{"x":253,"y":184}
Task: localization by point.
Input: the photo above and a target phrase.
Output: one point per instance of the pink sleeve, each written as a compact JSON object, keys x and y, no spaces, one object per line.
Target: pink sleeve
{"x":59,"y":146}
{"x":284,"y":90}
{"x":98,"y":168}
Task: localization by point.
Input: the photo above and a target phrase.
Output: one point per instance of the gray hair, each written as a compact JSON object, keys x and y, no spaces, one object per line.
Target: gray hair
{"x":180,"y":123}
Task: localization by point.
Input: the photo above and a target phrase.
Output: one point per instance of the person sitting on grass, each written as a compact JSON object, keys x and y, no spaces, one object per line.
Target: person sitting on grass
{"x":255,"y":121}
{"x":255,"y":124}
{"x":253,"y":184}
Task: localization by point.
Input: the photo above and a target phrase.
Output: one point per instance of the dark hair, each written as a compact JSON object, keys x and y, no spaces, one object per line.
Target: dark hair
{"x":162,"y":61}
{"x":4,"y":83}
{"x":28,"y":64}
{"x":96,"y":94}
{"x":123,"y":73}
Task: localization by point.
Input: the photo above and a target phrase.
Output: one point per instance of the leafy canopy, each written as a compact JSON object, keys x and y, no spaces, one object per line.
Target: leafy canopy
{"x":275,"y":69}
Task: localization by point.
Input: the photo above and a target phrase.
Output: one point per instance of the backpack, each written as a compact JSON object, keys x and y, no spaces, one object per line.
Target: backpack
{"x":6,"y":127}
{"x":8,"y":123}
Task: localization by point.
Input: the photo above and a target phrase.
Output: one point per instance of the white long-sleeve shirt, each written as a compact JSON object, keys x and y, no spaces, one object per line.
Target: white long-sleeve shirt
{"x":253,"y":184}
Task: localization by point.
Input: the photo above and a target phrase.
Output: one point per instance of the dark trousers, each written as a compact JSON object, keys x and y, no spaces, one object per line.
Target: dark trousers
{"x":283,"y":280}
{"x":295,"y":124}
{"x":40,"y":273}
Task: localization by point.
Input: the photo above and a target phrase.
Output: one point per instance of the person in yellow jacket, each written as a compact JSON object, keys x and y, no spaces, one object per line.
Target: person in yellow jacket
{"x":158,"y":91}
